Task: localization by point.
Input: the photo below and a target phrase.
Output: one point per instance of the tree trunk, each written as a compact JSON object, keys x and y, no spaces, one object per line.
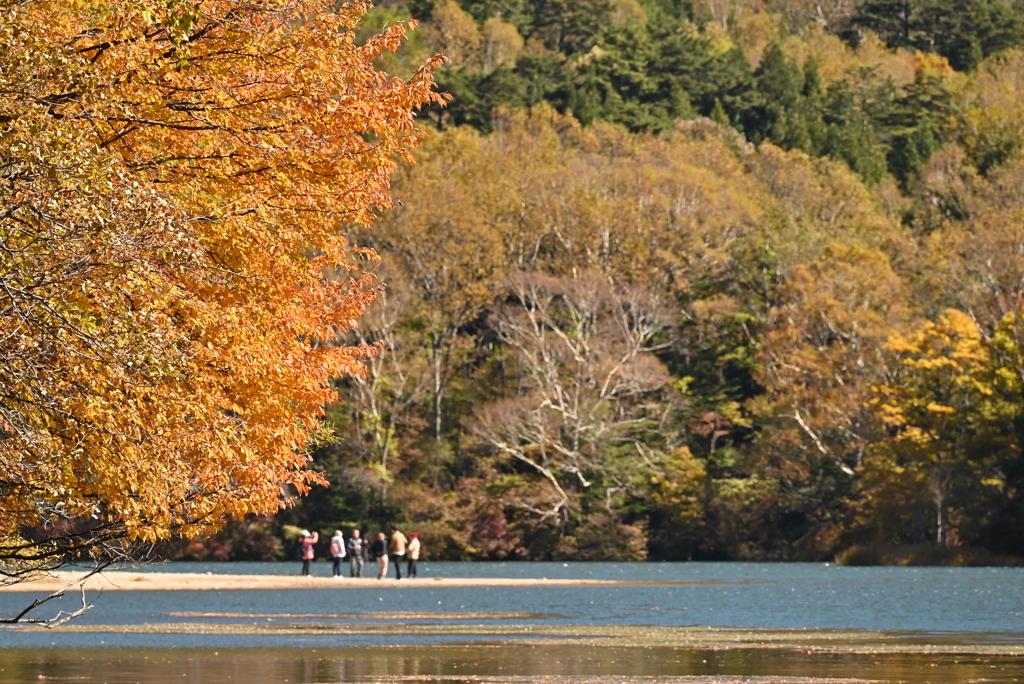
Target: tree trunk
{"x":384,"y":475}
{"x":940,"y":533}
{"x":939,"y":482}
{"x":437,"y":388}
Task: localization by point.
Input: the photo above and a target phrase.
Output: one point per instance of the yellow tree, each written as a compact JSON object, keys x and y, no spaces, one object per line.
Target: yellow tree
{"x":824,"y":348}
{"x":951,"y":411}
{"x":177,"y":179}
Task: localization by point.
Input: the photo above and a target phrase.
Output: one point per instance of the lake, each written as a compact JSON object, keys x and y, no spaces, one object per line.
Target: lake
{"x":669,"y":621}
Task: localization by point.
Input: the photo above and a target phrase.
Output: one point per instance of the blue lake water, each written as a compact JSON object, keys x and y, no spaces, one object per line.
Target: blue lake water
{"x":160,"y":637}
{"x":971,"y":603}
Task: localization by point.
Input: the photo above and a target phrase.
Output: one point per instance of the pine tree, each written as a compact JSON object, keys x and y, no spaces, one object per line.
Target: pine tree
{"x":780,"y":119}
{"x":570,"y":26}
{"x":963,"y":31}
{"x":719,"y":115}
{"x":734,"y":86}
{"x":851,"y":133}
{"x":892,"y":20}
{"x":814,"y":107}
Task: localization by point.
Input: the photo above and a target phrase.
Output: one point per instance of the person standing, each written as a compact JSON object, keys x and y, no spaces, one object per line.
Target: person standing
{"x":356,"y":554}
{"x":414,"y":555}
{"x":380,"y":551}
{"x":398,"y":545}
{"x":307,"y":541}
{"x":337,"y":552}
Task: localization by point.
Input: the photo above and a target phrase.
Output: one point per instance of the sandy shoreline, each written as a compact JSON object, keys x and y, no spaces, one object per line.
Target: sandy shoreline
{"x":175,"y":581}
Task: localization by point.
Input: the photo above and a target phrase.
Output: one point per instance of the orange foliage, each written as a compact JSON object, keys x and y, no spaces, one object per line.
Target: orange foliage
{"x":181,"y":175}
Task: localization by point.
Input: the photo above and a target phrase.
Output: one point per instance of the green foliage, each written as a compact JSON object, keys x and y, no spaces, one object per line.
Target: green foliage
{"x":600,"y":61}
{"x":963,"y":31}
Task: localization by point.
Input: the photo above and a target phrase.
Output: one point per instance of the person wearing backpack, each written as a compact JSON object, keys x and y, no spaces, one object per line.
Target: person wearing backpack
{"x":337,"y":551}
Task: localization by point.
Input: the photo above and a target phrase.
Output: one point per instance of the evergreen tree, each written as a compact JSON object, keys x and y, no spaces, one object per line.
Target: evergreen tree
{"x":851,"y":134}
{"x":915,"y":123}
{"x":733,"y":84}
{"x":963,"y":31}
{"x":893,"y":20}
{"x":658,"y":10}
{"x":814,"y":107}
{"x":781,"y":116}
{"x":680,"y":58}
{"x":570,"y":26}
{"x":519,"y":13}
{"x":719,"y":115}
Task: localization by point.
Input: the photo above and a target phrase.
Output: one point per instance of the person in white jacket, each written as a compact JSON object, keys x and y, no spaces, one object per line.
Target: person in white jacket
{"x":337,"y":551}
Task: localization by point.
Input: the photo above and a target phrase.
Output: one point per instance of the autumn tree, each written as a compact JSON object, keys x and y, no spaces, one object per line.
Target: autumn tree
{"x":951,"y":410}
{"x":977,"y":260}
{"x":780,"y":279}
{"x":837,"y":300}
{"x":824,"y":349}
{"x":447,"y":252}
{"x":584,"y":348}
{"x":162,"y":328}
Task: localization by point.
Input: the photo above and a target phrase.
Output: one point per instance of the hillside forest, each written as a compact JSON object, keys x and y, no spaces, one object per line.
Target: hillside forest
{"x":708,"y":280}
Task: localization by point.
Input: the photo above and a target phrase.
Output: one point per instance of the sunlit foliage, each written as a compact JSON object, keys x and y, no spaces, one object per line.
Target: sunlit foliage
{"x":175,"y":179}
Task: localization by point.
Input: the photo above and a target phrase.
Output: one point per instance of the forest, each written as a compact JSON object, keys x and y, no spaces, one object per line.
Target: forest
{"x":671,"y":280}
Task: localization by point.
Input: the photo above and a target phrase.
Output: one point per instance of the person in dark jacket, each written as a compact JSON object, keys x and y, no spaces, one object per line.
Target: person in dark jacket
{"x":356,"y":554}
{"x":380,"y":551}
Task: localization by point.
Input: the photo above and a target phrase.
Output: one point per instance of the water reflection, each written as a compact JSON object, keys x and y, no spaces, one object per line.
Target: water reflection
{"x":495,"y":665}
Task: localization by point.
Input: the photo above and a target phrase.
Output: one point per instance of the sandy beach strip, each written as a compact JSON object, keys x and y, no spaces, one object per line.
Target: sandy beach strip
{"x":183,"y":581}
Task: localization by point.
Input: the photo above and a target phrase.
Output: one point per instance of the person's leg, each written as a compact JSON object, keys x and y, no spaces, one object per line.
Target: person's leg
{"x":337,"y":566}
{"x":305,"y":566}
{"x":382,"y":564}
{"x":410,"y":571}
{"x":352,"y":565}
{"x":398,"y":566}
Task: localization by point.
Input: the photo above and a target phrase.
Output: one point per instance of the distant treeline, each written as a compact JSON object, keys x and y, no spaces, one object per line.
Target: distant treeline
{"x":829,"y":78}
{"x":757,"y":296}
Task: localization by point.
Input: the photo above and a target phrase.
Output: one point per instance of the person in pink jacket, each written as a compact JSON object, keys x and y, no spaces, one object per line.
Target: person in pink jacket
{"x":307,"y":541}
